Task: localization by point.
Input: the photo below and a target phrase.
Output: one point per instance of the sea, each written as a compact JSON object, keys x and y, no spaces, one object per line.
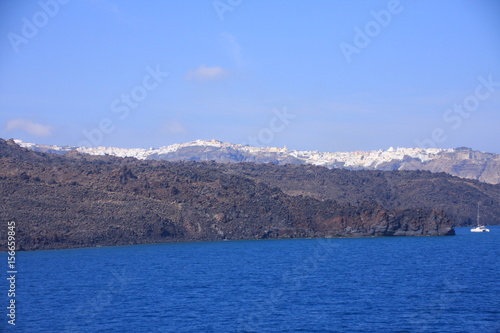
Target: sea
{"x":384,"y":284}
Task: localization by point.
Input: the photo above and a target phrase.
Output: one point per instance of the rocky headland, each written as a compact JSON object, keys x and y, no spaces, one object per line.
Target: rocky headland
{"x":80,"y":200}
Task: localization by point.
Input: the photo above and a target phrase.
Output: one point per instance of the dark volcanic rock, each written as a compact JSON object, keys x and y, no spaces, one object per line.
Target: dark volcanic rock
{"x":455,"y":196}
{"x":80,"y":200}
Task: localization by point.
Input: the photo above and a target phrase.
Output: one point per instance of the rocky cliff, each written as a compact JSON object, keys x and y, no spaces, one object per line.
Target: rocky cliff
{"x":457,"y":197}
{"x":79,"y":200}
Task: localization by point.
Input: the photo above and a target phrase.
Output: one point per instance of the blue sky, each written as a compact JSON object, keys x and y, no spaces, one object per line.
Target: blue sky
{"x":312,"y":75}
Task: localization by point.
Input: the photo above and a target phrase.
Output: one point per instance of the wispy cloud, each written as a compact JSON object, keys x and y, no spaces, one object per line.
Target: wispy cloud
{"x":204,"y":73}
{"x":233,"y":47}
{"x":26,"y":125}
{"x":112,"y":8}
{"x":175,"y":127}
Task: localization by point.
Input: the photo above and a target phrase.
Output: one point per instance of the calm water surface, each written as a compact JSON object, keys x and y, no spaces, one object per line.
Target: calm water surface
{"x":399,"y":284}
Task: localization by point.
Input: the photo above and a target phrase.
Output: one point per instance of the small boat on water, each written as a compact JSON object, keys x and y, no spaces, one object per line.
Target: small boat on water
{"x":479,"y":228}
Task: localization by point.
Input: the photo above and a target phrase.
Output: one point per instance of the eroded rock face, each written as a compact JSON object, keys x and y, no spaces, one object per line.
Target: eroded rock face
{"x":80,"y":200}
{"x":457,"y":197}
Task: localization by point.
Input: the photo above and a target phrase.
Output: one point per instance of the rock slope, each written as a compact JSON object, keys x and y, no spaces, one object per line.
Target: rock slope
{"x":461,"y":162}
{"x":79,"y":200}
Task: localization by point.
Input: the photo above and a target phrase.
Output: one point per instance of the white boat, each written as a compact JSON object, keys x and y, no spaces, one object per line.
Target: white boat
{"x":479,"y":228}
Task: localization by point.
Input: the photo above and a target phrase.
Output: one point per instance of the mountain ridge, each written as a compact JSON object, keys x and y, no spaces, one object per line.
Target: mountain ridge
{"x":461,"y":162}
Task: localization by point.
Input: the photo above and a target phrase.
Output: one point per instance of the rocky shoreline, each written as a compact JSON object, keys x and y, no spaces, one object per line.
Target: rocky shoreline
{"x":78,"y":200}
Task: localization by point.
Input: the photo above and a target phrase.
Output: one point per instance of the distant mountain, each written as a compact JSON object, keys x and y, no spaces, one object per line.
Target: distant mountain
{"x":461,"y":162}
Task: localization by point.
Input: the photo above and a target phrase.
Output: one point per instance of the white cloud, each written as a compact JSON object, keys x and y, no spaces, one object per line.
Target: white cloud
{"x":204,"y":73}
{"x":175,"y":127}
{"x":36,"y":129}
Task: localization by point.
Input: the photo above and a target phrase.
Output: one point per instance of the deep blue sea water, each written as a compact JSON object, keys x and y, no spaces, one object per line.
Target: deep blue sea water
{"x":393,"y":284}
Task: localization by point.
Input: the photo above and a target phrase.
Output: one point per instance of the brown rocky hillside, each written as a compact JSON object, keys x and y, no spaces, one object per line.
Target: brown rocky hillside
{"x":80,"y":200}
